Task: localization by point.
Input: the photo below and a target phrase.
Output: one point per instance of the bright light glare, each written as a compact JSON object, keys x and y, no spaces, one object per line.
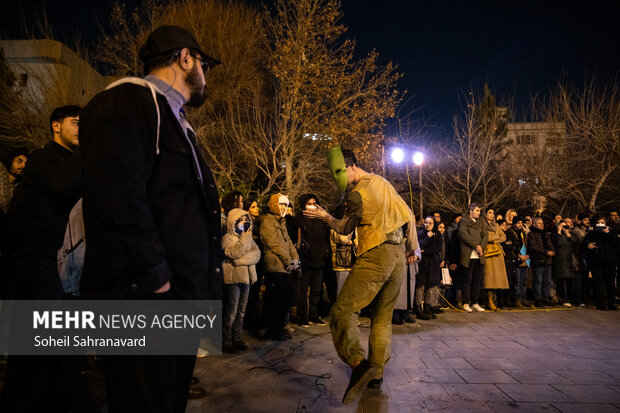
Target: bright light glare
{"x":418,"y":158}
{"x":397,"y":155}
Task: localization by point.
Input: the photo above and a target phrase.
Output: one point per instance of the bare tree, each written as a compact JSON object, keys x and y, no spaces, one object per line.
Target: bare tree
{"x":31,"y":88}
{"x":231,"y":32}
{"x":323,"y":95}
{"x":577,"y":170}
{"x":470,"y":169}
{"x":592,"y":117}
{"x":288,"y":88}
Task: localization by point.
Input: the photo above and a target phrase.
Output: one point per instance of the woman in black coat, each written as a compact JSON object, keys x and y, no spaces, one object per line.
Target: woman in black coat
{"x":429,"y":275}
{"x":601,"y":246}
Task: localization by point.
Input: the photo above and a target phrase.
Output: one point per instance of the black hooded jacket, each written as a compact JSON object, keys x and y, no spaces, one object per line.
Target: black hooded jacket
{"x":148,"y":218}
{"x":315,"y":247}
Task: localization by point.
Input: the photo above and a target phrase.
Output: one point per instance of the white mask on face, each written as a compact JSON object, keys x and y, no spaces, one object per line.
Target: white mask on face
{"x":283,"y":200}
{"x":600,"y":224}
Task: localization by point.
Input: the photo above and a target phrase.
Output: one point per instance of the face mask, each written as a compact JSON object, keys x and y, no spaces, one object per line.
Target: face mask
{"x":239,"y":228}
{"x":600,"y":226}
{"x":311,"y":207}
{"x":335,"y":159}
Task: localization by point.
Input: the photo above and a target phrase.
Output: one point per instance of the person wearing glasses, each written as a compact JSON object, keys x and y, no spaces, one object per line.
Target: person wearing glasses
{"x":151,"y":208}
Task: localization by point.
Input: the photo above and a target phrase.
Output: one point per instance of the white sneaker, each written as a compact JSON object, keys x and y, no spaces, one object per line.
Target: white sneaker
{"x":567,"y":305}
{"x":478,"y":308}
{"x":467,"y":308}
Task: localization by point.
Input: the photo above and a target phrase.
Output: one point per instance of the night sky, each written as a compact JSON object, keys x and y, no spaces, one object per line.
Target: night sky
{"x":443,"y":48}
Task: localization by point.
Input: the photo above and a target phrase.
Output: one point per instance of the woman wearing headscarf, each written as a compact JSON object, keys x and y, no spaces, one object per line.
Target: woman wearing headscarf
{"x":429,"y":275}
{"x":494,"y":268}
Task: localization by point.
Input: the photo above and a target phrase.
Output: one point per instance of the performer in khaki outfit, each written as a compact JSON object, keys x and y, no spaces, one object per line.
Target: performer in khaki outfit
{"x":379,"y":213}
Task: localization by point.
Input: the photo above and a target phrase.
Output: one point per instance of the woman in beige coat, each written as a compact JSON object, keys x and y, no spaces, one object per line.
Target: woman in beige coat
{"x":494,"y":268}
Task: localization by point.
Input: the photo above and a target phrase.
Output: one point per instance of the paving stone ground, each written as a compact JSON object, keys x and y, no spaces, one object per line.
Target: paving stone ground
{"x":555,"y":360}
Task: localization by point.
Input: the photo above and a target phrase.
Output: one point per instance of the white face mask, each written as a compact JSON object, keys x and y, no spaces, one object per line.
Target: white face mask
{"x":311,"y":207}
{"x":600,"y":224}
{"x":282,"y":211}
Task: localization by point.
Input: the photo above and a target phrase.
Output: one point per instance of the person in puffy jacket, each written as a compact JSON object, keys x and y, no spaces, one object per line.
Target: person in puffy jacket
{"x":279,"y":260}
{"x":242,"y":255}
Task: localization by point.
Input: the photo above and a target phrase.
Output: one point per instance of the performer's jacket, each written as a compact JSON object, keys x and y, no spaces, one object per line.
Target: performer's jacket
{"x":148,"y":217}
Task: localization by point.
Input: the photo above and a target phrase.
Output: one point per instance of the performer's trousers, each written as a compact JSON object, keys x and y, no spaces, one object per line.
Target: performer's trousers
{"x":375,"y":278}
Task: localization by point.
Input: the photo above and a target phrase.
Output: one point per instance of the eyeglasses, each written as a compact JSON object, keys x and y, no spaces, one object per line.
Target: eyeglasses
{"x":205,"y":65}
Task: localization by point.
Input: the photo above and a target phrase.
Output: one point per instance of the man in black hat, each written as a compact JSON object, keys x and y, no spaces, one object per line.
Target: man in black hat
{"x":151,"y":208}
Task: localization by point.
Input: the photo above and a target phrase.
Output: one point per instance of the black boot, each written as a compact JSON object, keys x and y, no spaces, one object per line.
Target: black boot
{"x":421,"y":314}
{"x":436,"y":310}
{"x":427,"y":310}
{"x":408,"y":317}
{"x":459,"y":299}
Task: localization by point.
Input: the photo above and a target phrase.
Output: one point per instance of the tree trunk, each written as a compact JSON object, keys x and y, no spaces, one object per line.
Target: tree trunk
{"x":597,"y":188}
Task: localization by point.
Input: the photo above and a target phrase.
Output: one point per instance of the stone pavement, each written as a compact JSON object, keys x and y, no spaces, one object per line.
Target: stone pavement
{"x":555,"y":360}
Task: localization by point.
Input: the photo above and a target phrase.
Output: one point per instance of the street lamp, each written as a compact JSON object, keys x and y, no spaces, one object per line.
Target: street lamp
{"x":397,"y":155}
{"x":418,"y":159}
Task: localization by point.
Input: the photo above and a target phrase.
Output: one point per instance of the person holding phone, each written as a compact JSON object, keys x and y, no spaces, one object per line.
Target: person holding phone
{"x":242,"y":255}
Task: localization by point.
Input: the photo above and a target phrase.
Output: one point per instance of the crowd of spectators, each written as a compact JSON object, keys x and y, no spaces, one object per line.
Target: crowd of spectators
{"x":481,"y":261}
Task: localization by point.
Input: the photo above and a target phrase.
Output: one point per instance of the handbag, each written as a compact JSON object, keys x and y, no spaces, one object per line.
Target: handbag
{"x":492,"y":250}
{"x":445,"y":277}
{"x":343,"y":256}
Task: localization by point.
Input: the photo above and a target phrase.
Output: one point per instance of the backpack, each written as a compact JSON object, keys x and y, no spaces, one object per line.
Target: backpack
{"x":70,"y":257}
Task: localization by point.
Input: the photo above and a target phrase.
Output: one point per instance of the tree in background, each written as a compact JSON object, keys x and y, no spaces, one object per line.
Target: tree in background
{"x":287,"y":89}
{"x":588,"y":159}
{"x":31,"y":88}
{"x":17,"y":128}
{"x":323,"y":95}
{"x":470,"y":169}
{"x":578,"y":169}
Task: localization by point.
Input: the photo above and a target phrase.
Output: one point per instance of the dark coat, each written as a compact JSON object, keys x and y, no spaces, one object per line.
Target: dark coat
{"x":315,"y":248}
{"x":471,"y":234}
{"x":148,"y":218}
{"x":536,"y":247}
{"x":512,"y":246}
{"x":562,"y":260}
{"x":429,"y":274}
{"x":607,"y":246}
{"x":453,"y":249}
{"x":38,"y":216}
